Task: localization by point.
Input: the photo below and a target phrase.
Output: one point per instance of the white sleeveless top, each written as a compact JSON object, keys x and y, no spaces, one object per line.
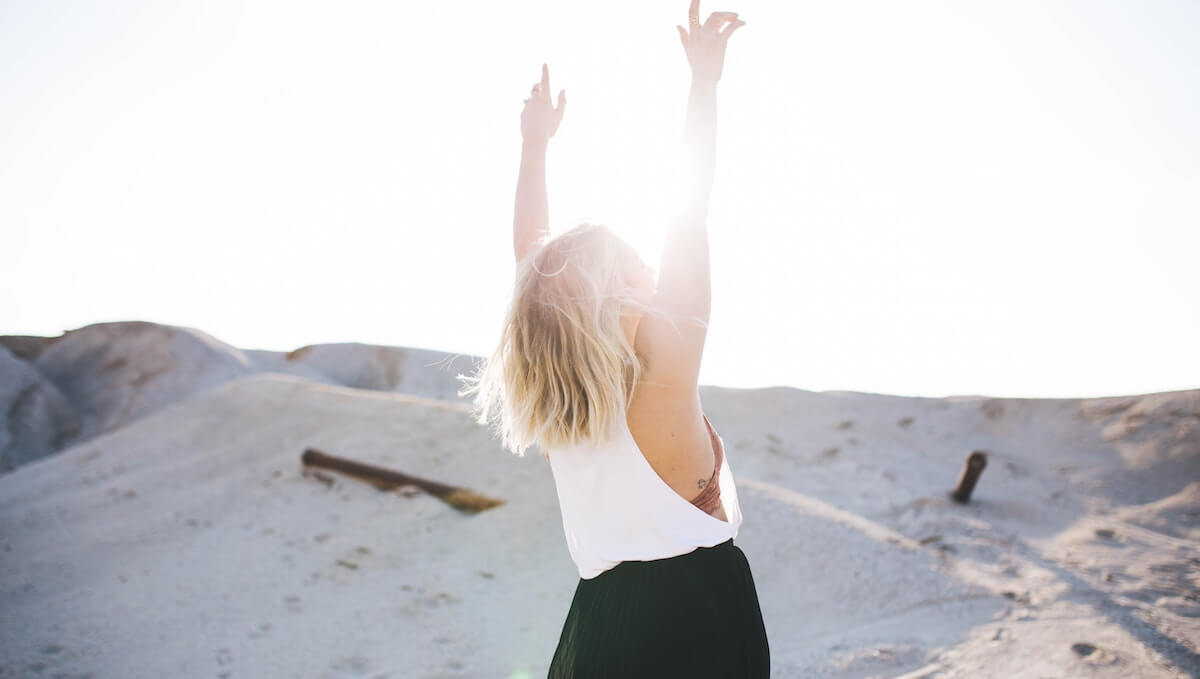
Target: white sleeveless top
{"x":616,"y":508}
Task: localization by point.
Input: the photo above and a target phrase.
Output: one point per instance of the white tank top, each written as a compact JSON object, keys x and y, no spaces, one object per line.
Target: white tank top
{"x":616,"y":508}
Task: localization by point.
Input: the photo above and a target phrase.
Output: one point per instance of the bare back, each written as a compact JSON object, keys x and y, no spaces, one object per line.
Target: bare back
{"x":665,"y":415}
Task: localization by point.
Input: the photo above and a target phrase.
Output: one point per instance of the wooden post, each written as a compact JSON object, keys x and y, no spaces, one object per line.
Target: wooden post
{"x":976,"y":461}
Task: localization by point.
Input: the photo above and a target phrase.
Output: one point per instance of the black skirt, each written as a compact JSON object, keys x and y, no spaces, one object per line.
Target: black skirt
{"x":693,"y":615}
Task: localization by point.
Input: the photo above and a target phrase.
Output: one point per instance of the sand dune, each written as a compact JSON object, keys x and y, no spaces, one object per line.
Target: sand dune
{"x":64,"y":390}
{"x":177,"y":534}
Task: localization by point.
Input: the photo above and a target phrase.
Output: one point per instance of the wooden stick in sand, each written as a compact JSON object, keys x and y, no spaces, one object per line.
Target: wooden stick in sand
{"x":976,"y":461}
{"x":386,"y":479}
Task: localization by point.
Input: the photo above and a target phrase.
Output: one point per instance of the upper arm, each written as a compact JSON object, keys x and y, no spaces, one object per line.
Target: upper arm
{"x":672,"y":339}
{"x":525,"y":246}
{"x":684,"y":279}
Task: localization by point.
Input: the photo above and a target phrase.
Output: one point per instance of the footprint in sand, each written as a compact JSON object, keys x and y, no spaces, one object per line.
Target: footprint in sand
{"x":830,"y":453}
{"x":1094,"y":655}
{"x":1016,"y":469}
{"x":355,"y":665}
{"x":260,"y":631}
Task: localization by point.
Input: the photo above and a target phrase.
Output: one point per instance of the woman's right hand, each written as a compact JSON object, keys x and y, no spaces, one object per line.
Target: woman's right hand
{"x":704,"y":45}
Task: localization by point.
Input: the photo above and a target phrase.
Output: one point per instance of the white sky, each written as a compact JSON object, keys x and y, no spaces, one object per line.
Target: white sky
{"x":918,"y":198}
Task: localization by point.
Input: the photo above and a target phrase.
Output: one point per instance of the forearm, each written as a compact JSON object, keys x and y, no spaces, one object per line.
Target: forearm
{"x":531,"y":214}
{"x":700,"y":146}
{"x":684,"y":277}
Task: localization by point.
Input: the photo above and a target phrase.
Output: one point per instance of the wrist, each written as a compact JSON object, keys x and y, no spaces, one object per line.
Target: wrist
{"x":534,"y":145}
{"x":704,"y":85}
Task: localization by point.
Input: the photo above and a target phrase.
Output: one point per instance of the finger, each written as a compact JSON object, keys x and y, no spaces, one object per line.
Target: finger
{"x":562,"y":101}
{"x":545,"y":80}
{"x":694,"y":12}
{"x":683,"y":37}
{"x":731,"y":28}
{"x":717,"y":19}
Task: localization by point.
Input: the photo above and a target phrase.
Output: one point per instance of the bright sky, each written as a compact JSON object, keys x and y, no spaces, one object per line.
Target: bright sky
{"x":918,"y":198}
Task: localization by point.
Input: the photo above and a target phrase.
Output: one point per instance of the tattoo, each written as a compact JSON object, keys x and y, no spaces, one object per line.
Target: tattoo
{"x":702,"y":483}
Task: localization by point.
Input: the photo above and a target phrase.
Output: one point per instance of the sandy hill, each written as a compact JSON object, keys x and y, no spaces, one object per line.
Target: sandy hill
{"x":183,"y":538}
{"x":64,"y":390}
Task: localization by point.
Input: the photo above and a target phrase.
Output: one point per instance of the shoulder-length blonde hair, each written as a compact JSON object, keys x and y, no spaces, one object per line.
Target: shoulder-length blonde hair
{"x":563,"y":369}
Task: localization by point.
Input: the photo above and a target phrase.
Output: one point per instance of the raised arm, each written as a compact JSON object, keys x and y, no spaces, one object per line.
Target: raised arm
{"x":675,"y":343}
{"x":684,"y":284}
{"x":539,"y":122}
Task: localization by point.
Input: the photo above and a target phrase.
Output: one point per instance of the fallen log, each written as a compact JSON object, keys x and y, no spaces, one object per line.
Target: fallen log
{"x":462,"y":499}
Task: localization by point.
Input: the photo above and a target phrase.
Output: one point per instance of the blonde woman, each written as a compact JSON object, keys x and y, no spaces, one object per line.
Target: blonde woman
{"x":598,"y":366}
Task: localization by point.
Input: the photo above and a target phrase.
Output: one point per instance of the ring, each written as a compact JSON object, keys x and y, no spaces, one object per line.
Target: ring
{"x":694,"y":21}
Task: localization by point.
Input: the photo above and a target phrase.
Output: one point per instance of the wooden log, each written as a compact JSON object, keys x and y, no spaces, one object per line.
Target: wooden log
{"x":976,"y":461}
{"x":462,"y":499}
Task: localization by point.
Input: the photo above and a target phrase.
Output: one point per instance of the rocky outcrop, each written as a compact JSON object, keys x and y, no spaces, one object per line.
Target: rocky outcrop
{"x":58,"y":391}
{"x":420,"y":372}
{"x":115,"y":373}
{"x":38,"y":418}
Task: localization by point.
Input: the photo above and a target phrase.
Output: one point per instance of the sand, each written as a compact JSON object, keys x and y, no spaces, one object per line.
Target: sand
{"x":176,"y":534}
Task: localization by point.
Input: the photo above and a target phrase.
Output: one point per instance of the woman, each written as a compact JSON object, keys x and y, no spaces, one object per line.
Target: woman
{"x":598,"y":365}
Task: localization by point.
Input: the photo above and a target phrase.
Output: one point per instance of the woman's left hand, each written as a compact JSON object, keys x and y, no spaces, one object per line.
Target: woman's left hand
{"x":539,"y":118}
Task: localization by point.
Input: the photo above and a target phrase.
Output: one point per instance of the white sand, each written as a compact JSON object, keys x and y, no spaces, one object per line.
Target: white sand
{"x":189,"y":542}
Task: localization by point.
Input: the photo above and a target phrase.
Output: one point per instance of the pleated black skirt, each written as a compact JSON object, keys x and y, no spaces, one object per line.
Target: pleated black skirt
{"x":693,"y":615}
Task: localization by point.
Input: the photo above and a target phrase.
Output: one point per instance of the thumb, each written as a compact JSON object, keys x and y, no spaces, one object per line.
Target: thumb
{"x":683,"y":36}
{"x":562,"y":100}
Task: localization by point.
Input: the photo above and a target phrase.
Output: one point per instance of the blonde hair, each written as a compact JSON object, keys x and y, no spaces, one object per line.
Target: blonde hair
{"x":563,"y":369}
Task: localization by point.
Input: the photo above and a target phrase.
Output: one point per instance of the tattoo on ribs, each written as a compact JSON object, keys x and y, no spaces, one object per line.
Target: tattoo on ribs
{"x":702,"y":483}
